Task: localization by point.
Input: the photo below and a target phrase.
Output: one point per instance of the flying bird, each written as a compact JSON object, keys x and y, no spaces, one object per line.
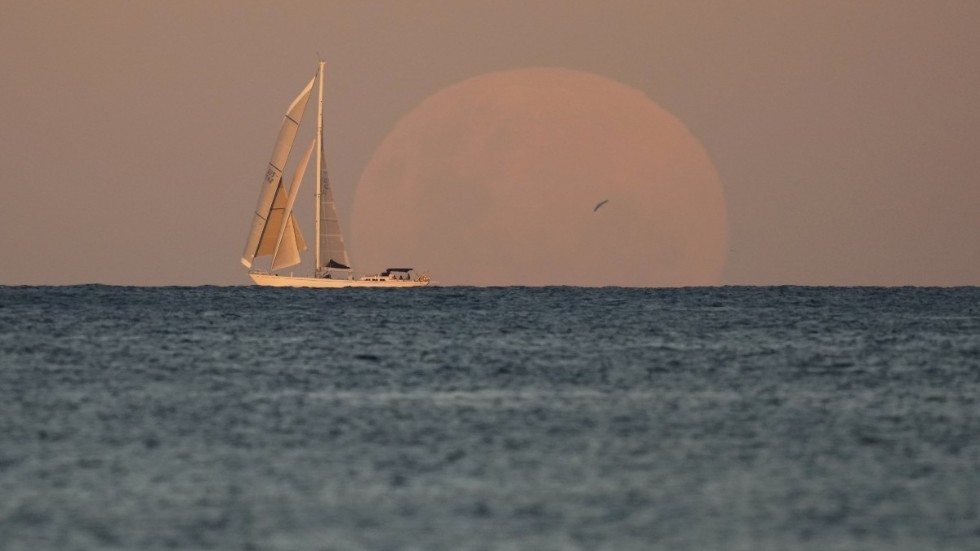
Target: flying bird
{"x":600,"y":204}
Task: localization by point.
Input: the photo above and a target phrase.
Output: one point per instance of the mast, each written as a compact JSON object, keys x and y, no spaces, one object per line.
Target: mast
{"x":319,"y":165}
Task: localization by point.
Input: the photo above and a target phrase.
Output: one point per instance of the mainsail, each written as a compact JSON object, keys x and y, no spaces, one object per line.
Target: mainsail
{"x":272,"y":190}
{"x":333,"y":252}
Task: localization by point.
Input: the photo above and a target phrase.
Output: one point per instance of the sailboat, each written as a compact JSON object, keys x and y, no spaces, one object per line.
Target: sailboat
{"x":275,"y":232}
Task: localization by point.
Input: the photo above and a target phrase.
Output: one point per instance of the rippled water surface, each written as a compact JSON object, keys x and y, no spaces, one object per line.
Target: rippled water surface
{"x":489,"y":419}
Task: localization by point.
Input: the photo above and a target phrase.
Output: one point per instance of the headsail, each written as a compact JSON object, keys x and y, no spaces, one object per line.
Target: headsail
{"x":289,"y":240}
{"x":277,"y":213}
{"x":273,"y":178}
{"x":290,"y":246}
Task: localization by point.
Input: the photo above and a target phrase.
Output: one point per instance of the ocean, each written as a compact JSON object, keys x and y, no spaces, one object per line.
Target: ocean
{"x":459,"y":418}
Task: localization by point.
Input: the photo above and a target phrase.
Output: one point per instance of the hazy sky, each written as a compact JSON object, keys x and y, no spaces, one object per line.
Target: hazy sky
{"x":134,"y":135}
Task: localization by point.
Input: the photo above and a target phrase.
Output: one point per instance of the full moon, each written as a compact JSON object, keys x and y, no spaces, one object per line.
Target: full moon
{"x":498,"y":180}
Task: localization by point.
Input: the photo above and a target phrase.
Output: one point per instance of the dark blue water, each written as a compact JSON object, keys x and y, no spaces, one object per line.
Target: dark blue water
{"x":497,"y":419}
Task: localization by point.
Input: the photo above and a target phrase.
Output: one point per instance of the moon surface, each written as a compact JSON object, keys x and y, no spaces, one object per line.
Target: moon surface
{"x":495,"y":180}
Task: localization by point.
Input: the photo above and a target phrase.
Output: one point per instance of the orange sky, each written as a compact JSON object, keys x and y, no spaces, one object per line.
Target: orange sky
{"x":134,"y":135}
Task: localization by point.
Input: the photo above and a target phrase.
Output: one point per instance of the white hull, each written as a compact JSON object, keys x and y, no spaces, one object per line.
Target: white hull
{"x":271,"y":280}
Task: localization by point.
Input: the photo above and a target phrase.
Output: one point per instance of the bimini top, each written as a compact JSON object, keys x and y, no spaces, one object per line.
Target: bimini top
{"x":389,"y":270}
